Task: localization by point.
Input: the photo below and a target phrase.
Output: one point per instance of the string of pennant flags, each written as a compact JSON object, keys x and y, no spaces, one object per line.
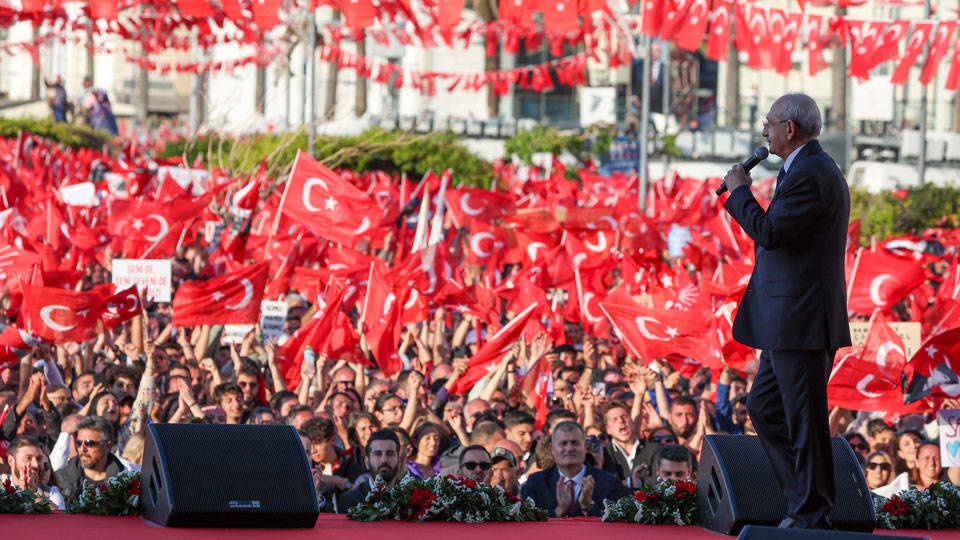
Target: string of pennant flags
{"x":768,"y":36}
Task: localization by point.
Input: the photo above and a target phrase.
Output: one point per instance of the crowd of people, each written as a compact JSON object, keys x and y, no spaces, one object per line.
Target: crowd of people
{"x":75,"y":413}
{"x":93,"y":107}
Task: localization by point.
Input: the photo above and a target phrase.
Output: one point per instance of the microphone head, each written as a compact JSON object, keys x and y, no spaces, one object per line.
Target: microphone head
{"x":761,"y":152}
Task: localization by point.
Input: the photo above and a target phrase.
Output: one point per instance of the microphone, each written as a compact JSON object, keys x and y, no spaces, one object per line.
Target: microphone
{"x":759,"y":155}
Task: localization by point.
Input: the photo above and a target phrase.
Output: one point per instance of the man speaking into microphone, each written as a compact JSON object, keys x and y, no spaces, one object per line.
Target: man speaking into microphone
{"x":795,"y":308}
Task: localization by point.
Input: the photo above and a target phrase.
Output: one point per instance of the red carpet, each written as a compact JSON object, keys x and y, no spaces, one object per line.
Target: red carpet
{"x":83,"y":527}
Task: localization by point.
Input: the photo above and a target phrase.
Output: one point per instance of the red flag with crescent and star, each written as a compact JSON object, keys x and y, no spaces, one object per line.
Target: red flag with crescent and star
{"x":232,"y":298}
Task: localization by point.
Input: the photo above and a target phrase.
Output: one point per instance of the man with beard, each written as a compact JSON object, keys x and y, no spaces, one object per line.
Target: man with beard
{"x":384,"y":458}
{"x":94,"y":464}
{"x":683,"y":418}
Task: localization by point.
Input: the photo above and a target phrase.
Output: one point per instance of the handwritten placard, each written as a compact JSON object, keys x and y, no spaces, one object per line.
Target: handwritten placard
{"x":909,"y":332}
{"x":949,"y":423}
{"x":273,"y":318}
{"x":150,"y":274}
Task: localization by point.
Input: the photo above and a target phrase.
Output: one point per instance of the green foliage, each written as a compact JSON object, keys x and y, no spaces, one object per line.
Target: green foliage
{"x":394,"y":152}
{"x":119,"y":496}
{"x":937,"y":507}
{"x":22,"y":501}
{"x":72,"y":135}
{"x":443,"y":498}
{"x":666,"y":503}
{"x":890,"y":214}
{"x":526,"y":143}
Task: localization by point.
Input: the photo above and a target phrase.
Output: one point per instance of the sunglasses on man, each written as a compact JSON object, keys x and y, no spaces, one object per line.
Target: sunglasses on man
{"x":472,"y":465}
{"x":89,"y":443}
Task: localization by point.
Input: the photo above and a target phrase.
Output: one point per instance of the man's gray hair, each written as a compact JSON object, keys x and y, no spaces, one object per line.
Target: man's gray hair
{"x":97,"y":423}
{"x":803,"y":111}
{"x":568,"y":425}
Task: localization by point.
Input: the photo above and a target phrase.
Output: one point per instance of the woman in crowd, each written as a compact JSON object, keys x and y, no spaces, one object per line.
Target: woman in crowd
{"x":906,"y":446}
{"x":878,"y":470}
{"x":426,"y":443}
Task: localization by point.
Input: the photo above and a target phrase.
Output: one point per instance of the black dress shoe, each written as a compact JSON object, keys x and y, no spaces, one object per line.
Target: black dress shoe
{"x":787,"y":523}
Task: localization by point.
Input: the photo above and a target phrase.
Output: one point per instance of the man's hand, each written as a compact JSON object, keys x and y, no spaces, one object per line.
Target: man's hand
{"x":586,"y":493}
{"x":563,"y":498}
{"x":736,"y":177}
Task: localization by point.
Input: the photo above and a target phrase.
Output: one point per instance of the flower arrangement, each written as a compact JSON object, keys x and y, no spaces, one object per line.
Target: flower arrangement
{"x":119,"y":496}
{"x":444,"y":498}
{"x":22,"y":501}
{"x":667,"y":503}
{"x":937,"y":507}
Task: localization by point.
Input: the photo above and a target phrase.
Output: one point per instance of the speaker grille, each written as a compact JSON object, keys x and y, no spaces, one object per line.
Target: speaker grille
{"x":230,"y":474}
{"x":739,"y":465}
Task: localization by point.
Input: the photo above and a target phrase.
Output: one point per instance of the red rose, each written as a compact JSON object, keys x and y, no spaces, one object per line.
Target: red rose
{"x":511,"y":497}
{"x":134,"y":488}
{"x":469,"y":482}
{"x":642,"y":496}
{"x":685,"y":489}
{"x":420,"y":500}
{"x":102,"y":488}
{"x":894,"y":506}
{"x":8,"y":486}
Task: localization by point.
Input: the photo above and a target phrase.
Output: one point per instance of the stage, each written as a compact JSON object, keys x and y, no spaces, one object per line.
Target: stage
{"x":84,"y":527}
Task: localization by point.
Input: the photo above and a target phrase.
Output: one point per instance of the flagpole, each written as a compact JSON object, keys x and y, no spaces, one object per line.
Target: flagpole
{"x":644,"y":125}
{"x":366,"y":297}
{"x":283,"y":199}
{"x":576,"y":276}
{"x":853,"y":274}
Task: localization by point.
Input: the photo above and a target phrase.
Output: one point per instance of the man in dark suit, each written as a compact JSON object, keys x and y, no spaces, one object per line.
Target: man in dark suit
{"x":571,"y":488}
{"x":384,"y":458}
{"x":795,"y":307}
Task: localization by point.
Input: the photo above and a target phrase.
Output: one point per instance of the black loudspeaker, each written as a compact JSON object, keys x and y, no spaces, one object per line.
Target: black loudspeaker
{"x":203,"y":475}
{"x":755,"y":532}
{"x":736,"y":486}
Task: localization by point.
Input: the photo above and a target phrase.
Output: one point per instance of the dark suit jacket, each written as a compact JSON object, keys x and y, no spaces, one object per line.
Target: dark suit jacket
{"x":615,"y":464}
{"x":796,"y":298}
{"x":542,"y":487}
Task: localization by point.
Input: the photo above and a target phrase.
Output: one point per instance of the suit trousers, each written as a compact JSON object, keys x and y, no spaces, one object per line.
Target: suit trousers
{"x":788,"y":406}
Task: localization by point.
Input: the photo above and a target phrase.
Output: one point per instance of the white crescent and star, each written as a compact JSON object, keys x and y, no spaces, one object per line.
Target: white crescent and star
{"x":247,"y":295}
{"x":467,"y":209}
{"x":307,"y":186}
{"x":862,"y":386}
{"x":886,"y":348}
{"x":587,"y":297}
{"x":164,"y":228}
{"x":532,"y":249}
{"x":364,"y":226}
{"x":475,"y":244}
{"x":45,"y":313}
{"x":642,"y":327}
{"x":875,"y":289}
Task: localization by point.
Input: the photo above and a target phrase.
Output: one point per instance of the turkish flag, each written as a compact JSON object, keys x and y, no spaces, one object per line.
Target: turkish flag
{"x":324,"y":201}
{"x":741,"y":35}
{"x":941,"y":44}
{"x":313,"y":334}
{"x":516,"y":12}
{"x":870,"y":380}
{"x":537,"y":386}
{"x":195,"y":8}
{"x":469,"y":205}
{"x":657,"y":333}
{"x":487,"y":244}
{"x":690,"y":34}
{"x":888,"y":45}
{"x":930,"y":371}
{"x":559,"y":16}
{"x":652,"y":17}
{"x":104,"y":9}
{"x":719,"y":37}
{"x":448,"y":13}
{"x":121,"y":307}
{"x":853,"y":236}
{"x":918,"y":40}
{"x":146,"y":225}
{"x":491,"y":353}
{"x":232,"y":298}
{"x":59,"y":315}
{"x":358,"y":14}
{"x":381,"y":318}
{"x":880,"y":280}
{"x":784,"y":60}
{"x":16,"y":262}
{"x":760,"y":53}
{"x":266,"y":13}
{"x":14,"y":345}
{"x":815,"y":59}
{"x":953,"y":77}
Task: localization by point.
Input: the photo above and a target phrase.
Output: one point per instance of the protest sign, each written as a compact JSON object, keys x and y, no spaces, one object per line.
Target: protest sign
{"x":150,"y":274}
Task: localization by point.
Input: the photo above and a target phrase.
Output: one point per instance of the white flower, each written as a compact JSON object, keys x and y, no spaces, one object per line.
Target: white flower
{"x":638,"y":517}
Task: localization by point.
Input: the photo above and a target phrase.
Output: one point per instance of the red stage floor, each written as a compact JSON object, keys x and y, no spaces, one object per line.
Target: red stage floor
{"x":83,"y":527}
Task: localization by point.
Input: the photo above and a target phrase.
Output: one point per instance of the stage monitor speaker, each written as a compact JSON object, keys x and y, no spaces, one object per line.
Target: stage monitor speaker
{"x":736,"y":486}
{"x":756,"y":532}
{"x":203,"y":475}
